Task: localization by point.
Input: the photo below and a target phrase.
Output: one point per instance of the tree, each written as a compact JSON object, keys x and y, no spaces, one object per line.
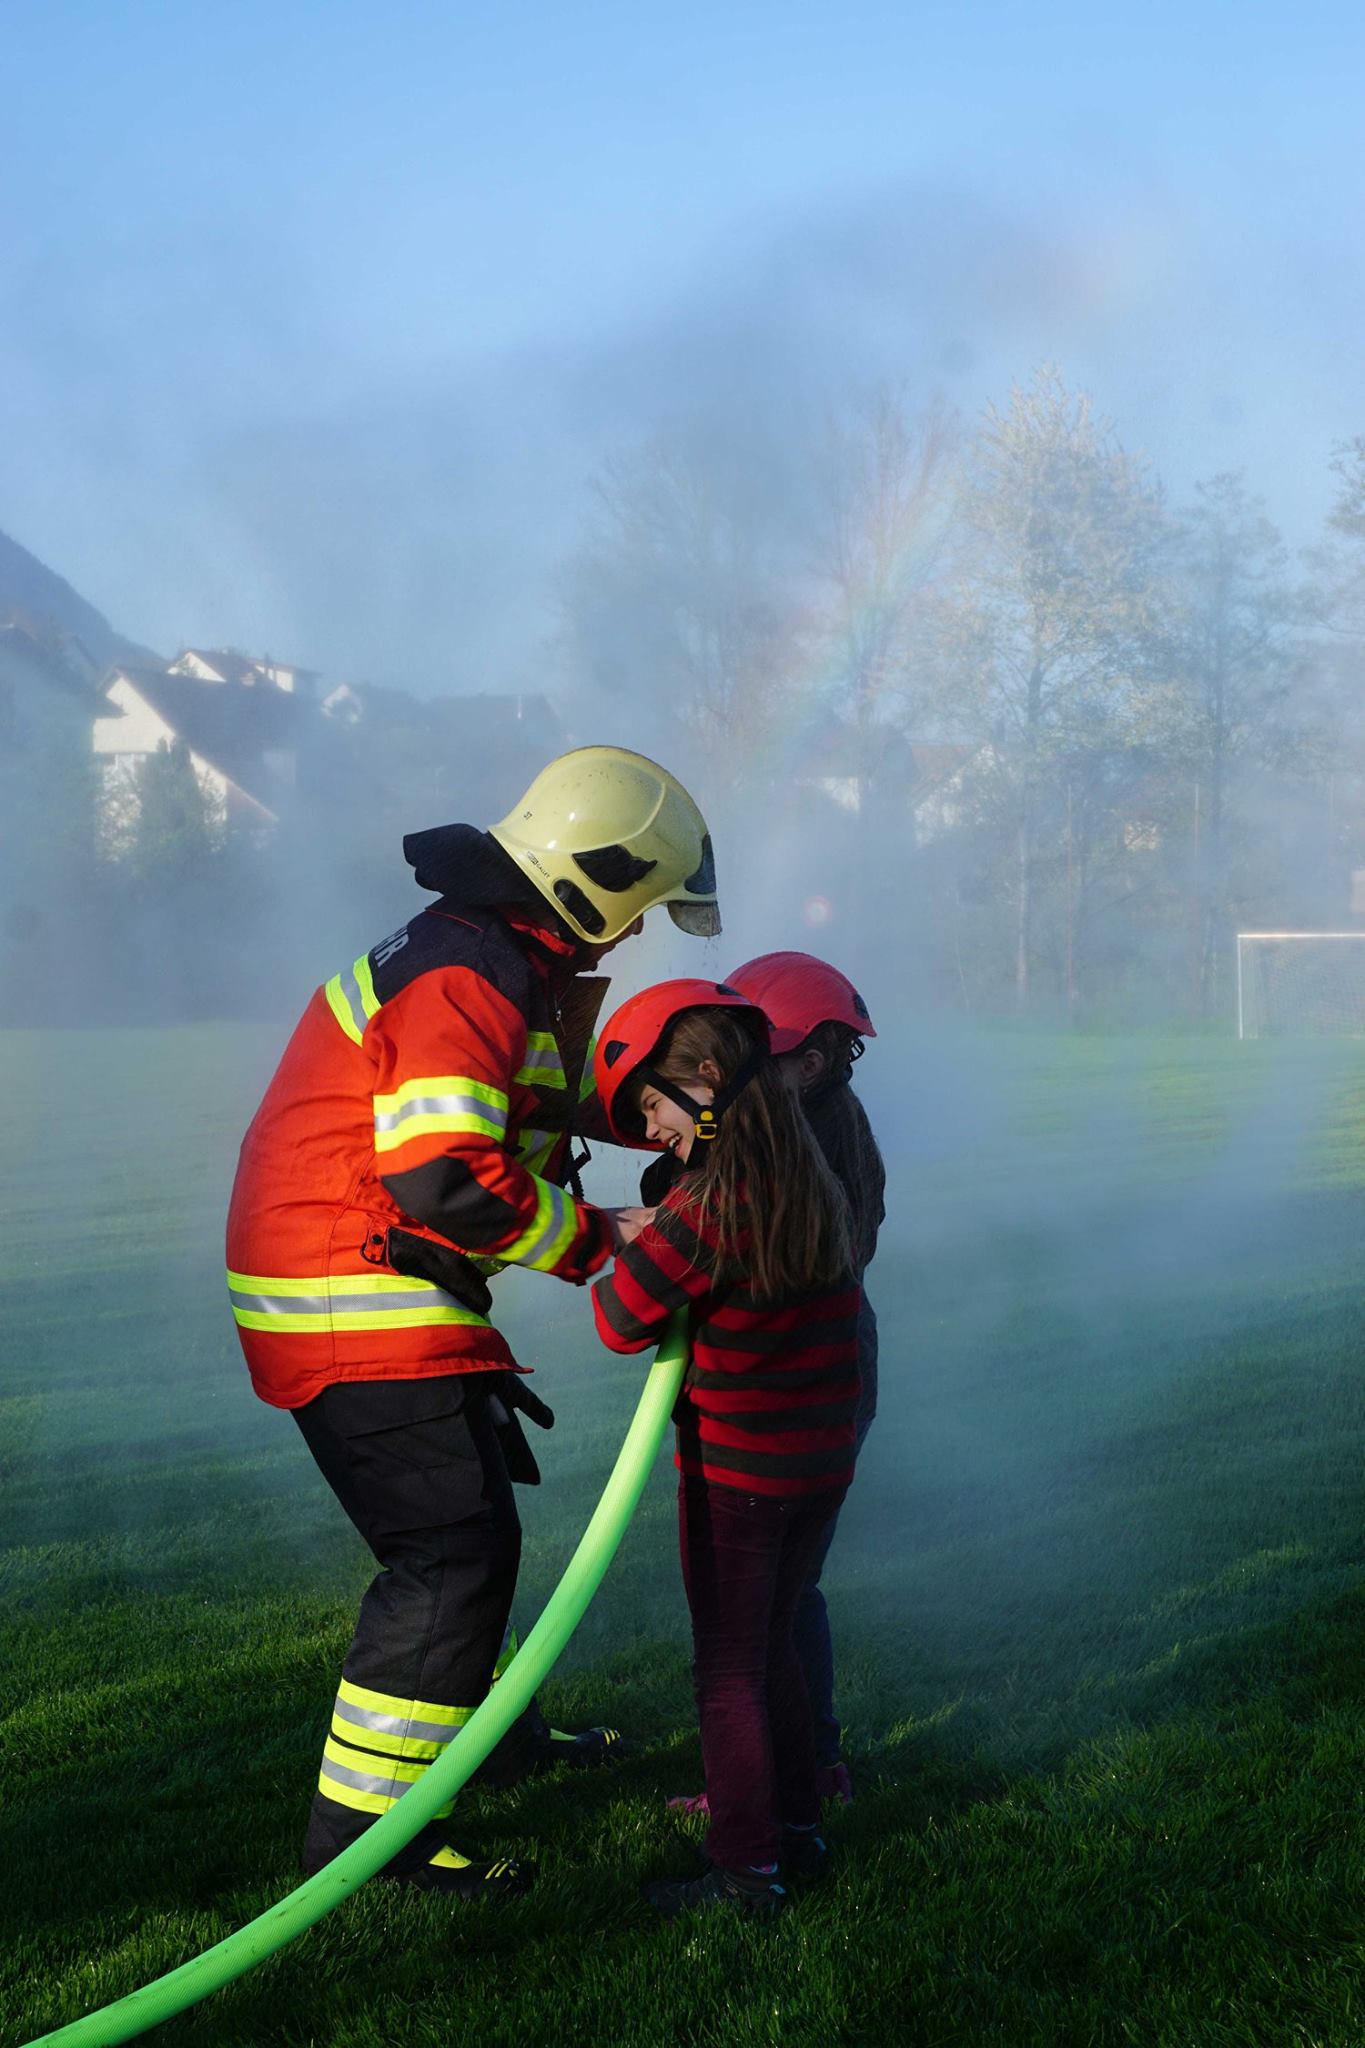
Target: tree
{"x":1232,"y":648}
{"x":889,"y":501}
{"x":175,"y":832}
{"x":681,"y":593}
{"x":1044,"y":627}
{"x":1340,"y":563}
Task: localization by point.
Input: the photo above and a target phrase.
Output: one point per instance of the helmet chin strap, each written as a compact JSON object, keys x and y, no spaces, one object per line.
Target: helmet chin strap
{"x":706,"y":1117}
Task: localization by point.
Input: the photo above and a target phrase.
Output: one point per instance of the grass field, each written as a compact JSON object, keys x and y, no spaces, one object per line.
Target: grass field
{"x":1098,"y":1590}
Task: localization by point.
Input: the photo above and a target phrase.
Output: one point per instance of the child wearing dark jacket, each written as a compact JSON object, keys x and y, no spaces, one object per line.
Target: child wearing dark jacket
{"x":753,"y":1241}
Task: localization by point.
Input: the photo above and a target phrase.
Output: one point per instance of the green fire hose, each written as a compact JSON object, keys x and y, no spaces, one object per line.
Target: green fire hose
{"x":272,"y":1930}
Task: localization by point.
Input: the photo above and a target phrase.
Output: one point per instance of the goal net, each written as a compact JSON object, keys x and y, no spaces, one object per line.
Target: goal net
{"x":1300,"y":984}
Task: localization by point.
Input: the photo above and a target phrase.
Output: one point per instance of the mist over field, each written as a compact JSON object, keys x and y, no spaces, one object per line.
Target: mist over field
{"x":939,"y":437}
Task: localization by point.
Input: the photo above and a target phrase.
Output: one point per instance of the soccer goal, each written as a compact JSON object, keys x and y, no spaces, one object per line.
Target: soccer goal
{"x":1300,"y":984}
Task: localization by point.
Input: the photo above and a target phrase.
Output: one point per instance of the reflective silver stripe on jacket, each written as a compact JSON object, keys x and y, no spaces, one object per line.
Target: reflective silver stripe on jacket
{"x":558,"y":1217}
{"x":341,"y":1304}
{"x":442,"y":1105}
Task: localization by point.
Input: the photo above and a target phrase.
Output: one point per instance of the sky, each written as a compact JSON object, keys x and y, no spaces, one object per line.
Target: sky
{"x":316,"y":321}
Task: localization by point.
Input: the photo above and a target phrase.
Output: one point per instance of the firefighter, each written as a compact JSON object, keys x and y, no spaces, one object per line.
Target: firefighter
{"x":416,"y":1136}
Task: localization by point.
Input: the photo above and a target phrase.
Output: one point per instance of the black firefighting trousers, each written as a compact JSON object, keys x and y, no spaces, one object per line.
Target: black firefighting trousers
{"x":418,"y":1468}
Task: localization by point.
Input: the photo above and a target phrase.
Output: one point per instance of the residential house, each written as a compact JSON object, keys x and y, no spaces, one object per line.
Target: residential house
{"x":880,"y":770}
{"x":227,"y":665}
{"x":242,"y":740}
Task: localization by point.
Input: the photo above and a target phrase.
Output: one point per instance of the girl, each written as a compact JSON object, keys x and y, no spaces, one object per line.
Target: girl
{"x":753,"y":1239}
{"x":819,"y":1022}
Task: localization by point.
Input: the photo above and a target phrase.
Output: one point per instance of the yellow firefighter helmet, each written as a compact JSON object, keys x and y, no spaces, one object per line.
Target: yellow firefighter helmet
{"x":605,"y":835}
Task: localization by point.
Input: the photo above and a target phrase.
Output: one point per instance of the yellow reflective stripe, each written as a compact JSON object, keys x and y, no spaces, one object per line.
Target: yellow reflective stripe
{"x":365,"y":982}
{"x":348,"y":1777}
{"x":588,"y":1084}
{"x":535,"y":1149}
{"x":388,"y":1773}
{"x":389,"y":1703}
{"x":357,"y":1319}
{"x":550,"y":1235}
{"x":343,"y":1301}
{"x":329,"y":1283}
{"x":435,"y":1124}
{"x":355,"y":1724}
{"x":350,"y":1795}
{"x":393,"y":1726}
{"x":444,"y":1084}
{"x":437,"y":1105}
{"x":341,"y":1009}
{"x":352,"y":998}
{"x":449,"y":1859}
{"x":551,"y":1257}
{"x":544,"y":1065}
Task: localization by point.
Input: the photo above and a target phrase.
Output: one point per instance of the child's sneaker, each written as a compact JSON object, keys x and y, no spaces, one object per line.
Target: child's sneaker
{"x":742,"y":1891}
{"x":834,"y":1782}
{"x":690,"y":1802}
{"x":804,"y":1855}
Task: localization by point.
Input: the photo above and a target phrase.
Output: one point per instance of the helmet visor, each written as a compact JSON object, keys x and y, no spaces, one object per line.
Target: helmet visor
{"x":701,"y":920}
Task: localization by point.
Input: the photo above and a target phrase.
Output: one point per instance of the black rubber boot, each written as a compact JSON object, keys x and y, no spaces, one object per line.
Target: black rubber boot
{"x":505,"y":1878}
{"x":585,"y":1752}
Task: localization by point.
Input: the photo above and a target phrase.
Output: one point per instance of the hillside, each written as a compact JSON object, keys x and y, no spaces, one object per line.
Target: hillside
{"x":35,"y":596}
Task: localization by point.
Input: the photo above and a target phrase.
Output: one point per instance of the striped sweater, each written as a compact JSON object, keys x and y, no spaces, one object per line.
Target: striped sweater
{"x":770,"y":1394}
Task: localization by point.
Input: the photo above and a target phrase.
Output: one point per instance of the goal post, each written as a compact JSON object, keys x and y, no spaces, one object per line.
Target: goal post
{"x":1300,"y":984}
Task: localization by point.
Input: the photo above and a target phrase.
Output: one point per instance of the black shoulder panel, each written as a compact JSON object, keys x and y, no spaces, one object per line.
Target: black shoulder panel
{"x":443,"y":936}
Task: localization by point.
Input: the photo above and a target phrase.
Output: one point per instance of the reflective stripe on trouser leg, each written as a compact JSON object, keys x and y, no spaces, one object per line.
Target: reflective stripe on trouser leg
{"x":417,"y":1466}
{"x":417,"y":1730}
{"x":370,"y":1784}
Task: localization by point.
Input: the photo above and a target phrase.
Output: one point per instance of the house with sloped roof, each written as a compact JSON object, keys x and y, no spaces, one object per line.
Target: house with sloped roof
{"x":242,"y":740}
{"x":259,"y":747}
{"x":229,"y":665}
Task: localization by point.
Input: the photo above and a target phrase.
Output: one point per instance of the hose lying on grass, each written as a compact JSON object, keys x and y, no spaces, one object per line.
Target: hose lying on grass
{"x":272,"y":1930}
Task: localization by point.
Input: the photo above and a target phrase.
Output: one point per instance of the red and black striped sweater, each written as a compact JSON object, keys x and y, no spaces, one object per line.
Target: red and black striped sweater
{"x":769,"y":1397}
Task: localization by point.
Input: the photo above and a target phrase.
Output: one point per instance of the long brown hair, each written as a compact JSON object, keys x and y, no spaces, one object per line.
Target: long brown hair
{"x":764,"y":1172}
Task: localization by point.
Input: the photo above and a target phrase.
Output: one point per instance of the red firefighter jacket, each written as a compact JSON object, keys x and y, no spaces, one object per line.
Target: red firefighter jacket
{"x":421,"y":1103}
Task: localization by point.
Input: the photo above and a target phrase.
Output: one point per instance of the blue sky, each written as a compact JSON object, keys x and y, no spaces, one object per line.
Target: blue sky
{"x":316,"y":319}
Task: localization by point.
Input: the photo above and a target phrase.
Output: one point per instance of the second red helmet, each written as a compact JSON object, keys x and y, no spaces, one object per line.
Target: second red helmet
{"x":633,"y":1032}
{"x":797,"y":993}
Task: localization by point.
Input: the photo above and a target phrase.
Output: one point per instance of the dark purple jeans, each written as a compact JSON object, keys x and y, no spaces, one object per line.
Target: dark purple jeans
{"x":745,"y":1559}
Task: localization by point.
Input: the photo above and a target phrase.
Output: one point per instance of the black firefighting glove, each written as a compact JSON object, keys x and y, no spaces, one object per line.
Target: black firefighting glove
{"x":508,"y":1394}
{"x":516,"y":1394}
{"x":424,"y":1258}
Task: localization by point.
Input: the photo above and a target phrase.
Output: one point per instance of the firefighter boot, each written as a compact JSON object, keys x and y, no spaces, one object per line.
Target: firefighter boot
{"x":460,"y":1878}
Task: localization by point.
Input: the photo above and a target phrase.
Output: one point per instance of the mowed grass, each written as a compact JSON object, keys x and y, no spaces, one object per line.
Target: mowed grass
{"x":1097,"y":1590}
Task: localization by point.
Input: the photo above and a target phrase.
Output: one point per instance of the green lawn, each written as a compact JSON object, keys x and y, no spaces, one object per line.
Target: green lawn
{"x":1098,"y":1589}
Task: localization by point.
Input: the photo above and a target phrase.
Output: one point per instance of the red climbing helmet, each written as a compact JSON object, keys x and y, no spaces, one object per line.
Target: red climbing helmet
{"x":632,"y":1033}
{"x":797,"y":992}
